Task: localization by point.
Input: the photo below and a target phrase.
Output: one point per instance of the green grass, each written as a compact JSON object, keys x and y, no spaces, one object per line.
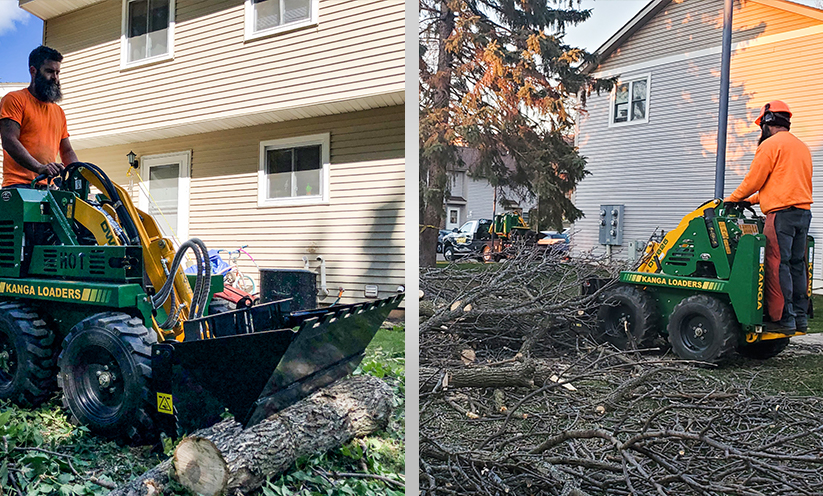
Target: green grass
{"x":389,"y":340}
{"x":816,"y":323}
{"x":48,"y":456}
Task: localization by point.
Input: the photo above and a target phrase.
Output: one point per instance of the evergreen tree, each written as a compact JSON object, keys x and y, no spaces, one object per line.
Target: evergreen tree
{"x":496,"y":76}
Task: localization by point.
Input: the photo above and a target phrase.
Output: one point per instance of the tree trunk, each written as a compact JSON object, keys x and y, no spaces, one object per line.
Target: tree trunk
{"x":434,"y":180}
{"x":327,"y":419}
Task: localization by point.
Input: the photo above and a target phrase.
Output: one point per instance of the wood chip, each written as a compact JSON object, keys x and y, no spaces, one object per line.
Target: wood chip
{"x":565,"y":385}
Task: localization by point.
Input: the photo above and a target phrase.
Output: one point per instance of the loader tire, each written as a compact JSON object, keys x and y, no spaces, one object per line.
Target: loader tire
{"x":703,"y":328}
{"x":27,"y":356}
{"x":105,"y":371}
{"x":764,"y":349}
{"x":628,"y":318}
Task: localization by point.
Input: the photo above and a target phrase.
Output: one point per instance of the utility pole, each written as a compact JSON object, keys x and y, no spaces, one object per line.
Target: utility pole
{"x":723,"y":117}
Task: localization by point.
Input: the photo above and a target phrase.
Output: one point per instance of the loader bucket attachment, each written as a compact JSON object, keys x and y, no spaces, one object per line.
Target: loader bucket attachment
{"x":262,"y":360}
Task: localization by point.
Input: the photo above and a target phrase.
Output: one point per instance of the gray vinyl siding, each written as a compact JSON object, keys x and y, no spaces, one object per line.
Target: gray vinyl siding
{"x":360,"y":232}
{"x":479,"y":199}
{"x":664,"y":169}
{"x":692,"y":25}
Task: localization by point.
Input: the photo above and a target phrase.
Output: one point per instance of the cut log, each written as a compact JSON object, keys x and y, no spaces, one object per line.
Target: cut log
{"x":526,"y":373}
{"x":351,"y":408}
{"x":520,"y":374}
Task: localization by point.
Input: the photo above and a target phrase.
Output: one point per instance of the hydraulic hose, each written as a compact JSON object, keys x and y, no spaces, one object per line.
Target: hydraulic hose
{"x":111,"y":192}
{"x":202,"y":283}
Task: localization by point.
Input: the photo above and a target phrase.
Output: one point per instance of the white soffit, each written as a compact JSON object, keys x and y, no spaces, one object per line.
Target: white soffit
{"x":46,"y":9}
{"x":224,"y":121}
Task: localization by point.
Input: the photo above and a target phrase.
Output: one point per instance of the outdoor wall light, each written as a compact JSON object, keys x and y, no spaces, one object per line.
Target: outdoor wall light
{"x":132,"y":159}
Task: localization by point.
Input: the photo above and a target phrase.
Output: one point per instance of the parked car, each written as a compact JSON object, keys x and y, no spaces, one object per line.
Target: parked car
{"x":554,"y":241}
{"x":468,"y":241}
{"x":443,"y":233}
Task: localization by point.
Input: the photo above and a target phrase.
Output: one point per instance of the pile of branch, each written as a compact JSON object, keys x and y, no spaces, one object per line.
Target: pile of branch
{"x":607,"y":424}
{"x":524,"y":303}
{"x":515,"y":398}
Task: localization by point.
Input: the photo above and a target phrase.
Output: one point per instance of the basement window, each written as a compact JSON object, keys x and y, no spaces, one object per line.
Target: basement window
{"x":267,"y":17}
{"x":294,"y":171}
{"x":148,"y":32}
{"x":629,"y":102}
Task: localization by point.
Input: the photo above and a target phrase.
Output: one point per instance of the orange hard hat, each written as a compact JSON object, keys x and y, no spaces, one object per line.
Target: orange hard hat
{"x":773,"y":106}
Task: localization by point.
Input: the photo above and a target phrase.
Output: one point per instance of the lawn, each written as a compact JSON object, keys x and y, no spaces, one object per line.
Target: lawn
{"x":43,"y":454}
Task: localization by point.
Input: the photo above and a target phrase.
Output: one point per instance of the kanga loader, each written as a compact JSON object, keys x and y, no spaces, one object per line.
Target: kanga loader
{"x":94,"y":300}
{"x":701,"y":287}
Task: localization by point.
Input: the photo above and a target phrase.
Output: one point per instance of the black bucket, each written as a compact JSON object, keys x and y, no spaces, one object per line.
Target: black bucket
{"x":277,"y":284}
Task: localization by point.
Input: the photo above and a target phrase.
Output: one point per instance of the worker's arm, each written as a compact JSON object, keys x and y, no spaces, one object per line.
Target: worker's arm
{"x":10,"y":135}
{"x":756,"y":177}
{"x":67,"y":152}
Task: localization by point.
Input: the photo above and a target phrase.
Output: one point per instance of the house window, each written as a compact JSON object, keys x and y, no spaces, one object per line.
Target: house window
{"x":294,"y":171}
{"x":265,"y":17}
{"x":630,"y":102}
{"x":148,"y":31}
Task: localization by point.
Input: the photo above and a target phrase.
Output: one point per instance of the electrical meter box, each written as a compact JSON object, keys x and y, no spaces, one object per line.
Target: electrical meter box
{"x":611,"y":224}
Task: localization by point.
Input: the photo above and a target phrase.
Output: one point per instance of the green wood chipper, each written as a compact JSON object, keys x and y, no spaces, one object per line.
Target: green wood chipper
{"x":701,"y":286}
{"x":94,"y":301}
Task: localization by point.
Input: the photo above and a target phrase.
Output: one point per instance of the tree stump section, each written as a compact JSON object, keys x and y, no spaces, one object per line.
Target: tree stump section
{"x":227,"y":459}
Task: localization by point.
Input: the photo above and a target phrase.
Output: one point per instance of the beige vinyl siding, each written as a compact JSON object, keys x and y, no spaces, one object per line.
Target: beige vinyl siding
{"x":360,"y":233}
{"x":356,"y":50}
{"x":664,"y":169}
{"x":691,"y":25}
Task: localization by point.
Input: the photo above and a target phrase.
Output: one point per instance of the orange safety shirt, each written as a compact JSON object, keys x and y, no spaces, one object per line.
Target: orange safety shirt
{"x":780,"y":175}
{"x":42,"y":128}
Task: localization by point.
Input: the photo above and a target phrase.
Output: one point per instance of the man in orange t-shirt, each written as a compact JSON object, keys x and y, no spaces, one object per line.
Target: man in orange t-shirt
{"x":32,"y":126}
{"x":780,"y":179}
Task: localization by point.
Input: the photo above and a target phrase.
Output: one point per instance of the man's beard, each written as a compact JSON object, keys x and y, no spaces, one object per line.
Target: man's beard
{"x":46,"y":90}
{"x":765,"y":133}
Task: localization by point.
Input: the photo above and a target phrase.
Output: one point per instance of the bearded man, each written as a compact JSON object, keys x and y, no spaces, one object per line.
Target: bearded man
{"x":32,"y":126}
{"x":780,"y":180}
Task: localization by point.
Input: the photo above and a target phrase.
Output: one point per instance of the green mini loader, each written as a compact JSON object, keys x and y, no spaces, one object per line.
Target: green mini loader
{"x":93,"y":300}
{"x":701,"y":287}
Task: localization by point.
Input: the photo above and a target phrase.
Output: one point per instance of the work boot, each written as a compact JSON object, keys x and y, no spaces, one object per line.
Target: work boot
{"x":802,"y":325}
{"x":783,"y":326}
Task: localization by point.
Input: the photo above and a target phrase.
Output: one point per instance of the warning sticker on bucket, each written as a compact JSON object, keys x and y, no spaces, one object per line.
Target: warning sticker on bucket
{"x":164,"y":403}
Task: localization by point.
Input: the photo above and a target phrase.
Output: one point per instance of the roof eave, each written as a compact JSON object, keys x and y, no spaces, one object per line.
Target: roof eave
{"x":650,"y":10}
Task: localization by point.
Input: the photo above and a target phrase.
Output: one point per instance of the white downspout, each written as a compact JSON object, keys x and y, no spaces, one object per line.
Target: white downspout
{"x":323,"y":289}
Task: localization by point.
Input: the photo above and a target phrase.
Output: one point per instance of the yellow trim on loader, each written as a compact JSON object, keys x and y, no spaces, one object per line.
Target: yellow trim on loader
{"x":656,"y":252}
{"x":156,"y":250}
{"x":96,"y":222}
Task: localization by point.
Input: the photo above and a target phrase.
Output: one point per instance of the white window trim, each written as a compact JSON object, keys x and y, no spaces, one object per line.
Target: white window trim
{"x":183,"y":159}
{"x":124,"y":44}
{"x":613,"y":95}
{"x":251,"y":34}
{"x":324,"y":141}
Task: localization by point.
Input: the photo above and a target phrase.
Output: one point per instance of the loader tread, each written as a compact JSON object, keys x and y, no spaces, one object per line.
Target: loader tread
{"x":128,"y":342}
{"x":34,"y":345}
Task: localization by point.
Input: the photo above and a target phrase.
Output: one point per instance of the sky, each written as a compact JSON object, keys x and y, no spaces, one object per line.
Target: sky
{"x":20,"y":33}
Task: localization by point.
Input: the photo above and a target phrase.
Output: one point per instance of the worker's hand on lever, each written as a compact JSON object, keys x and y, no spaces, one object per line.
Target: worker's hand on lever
{"x":51,"y":169}
{"x":739,"y":204}
{"x":47,"y":171}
